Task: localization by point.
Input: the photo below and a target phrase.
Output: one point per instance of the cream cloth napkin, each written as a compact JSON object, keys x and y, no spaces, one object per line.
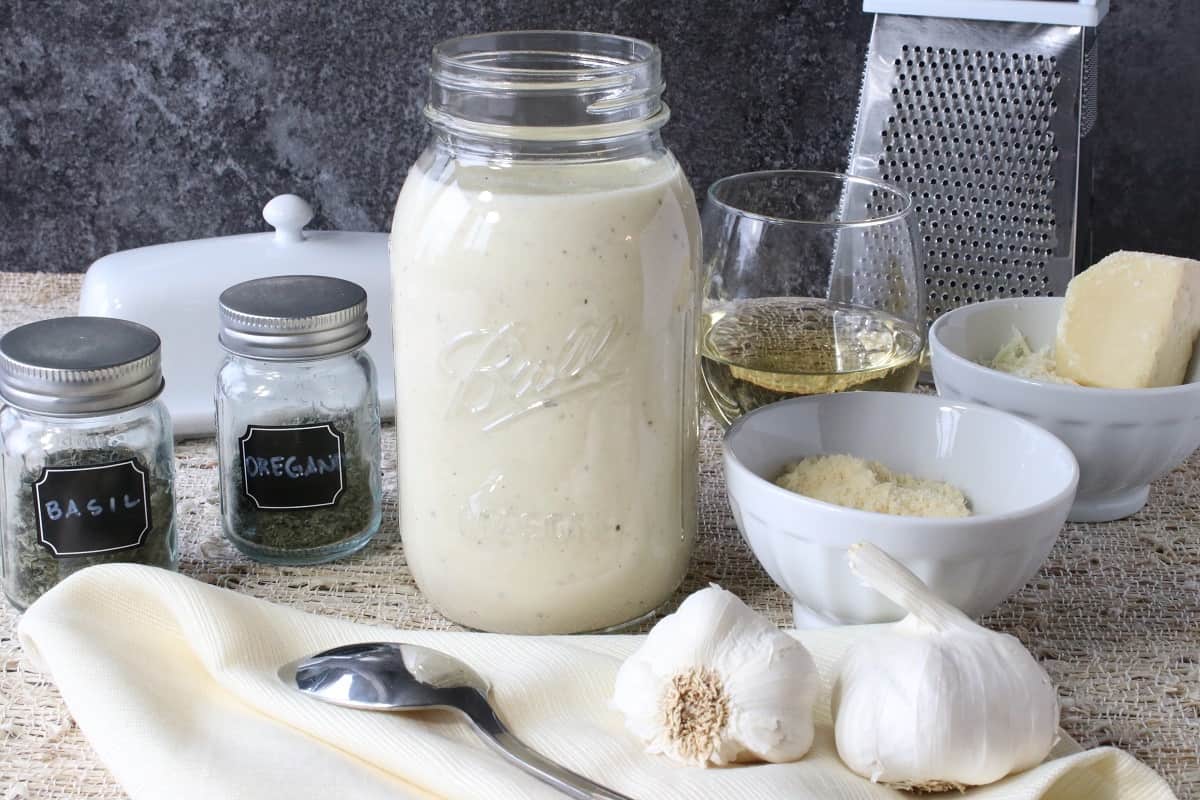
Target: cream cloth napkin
{"x":174,"y":683}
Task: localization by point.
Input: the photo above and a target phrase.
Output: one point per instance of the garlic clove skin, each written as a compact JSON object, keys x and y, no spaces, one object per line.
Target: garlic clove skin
{"x":715,"y":683}
{"x":937,"y":701}
{"x":924,"y":710}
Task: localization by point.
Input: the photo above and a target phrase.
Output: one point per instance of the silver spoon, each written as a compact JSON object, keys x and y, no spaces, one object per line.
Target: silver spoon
{"x":384,"y":676}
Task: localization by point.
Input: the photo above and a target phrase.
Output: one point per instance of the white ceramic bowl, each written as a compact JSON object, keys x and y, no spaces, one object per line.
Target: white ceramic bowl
{"x":1122,"y":438}
{"x":1019,"y":479}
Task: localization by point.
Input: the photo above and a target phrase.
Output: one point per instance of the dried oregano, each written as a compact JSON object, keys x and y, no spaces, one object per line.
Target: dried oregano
{"x":293,"y":531}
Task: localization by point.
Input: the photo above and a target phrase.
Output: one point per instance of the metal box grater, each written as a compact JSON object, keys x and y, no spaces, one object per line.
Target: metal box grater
{"x":985,"y":121}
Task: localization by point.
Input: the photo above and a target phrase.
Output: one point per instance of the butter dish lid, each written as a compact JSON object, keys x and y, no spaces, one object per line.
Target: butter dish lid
{"x":75,"y":366}
{"x":290,"y":317}
{"x":175,"y":289}
{"x":287,"y":242}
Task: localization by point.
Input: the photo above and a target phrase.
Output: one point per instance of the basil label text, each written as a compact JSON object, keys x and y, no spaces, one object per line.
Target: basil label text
{"x":92,"y":509}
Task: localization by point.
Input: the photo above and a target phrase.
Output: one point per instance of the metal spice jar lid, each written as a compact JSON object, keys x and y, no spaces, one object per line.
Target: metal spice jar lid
{"x":290,"y":317}
{"x":74,"y":366}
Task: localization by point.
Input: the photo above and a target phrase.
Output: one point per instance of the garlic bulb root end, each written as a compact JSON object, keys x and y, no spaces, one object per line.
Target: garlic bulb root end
{"x":695,"y":710}
{"x":715,"y":683}
{"x":928,"y":787}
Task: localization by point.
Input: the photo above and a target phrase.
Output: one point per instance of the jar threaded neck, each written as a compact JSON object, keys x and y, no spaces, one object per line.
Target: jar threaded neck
{"x":546,"y":86}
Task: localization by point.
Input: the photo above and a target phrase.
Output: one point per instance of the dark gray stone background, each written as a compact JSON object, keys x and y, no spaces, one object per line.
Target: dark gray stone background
{"x":130,"y":123}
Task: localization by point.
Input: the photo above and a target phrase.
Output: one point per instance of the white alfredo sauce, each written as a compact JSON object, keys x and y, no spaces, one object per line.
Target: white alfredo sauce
{"x":544,"y":321}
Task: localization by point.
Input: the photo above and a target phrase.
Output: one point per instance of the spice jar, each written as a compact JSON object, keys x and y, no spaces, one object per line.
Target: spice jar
{"x":545,"y":253}
{"x":298,"y":435}
{"x":87,"y":453}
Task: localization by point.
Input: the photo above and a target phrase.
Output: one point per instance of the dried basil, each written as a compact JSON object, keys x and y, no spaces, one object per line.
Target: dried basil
{"x":30,"y":565}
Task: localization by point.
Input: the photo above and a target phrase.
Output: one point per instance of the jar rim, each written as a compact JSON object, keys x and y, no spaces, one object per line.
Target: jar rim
{"x":546,"y":84}
{"x":467,"y":53}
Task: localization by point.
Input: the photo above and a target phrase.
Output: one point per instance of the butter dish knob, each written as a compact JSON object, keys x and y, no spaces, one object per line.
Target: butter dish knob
{"x":288,"y":214}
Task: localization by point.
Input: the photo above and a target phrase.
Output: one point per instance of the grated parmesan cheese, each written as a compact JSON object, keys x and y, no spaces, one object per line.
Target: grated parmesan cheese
{"x":870,"y":486}
{"x":1016,"y":357}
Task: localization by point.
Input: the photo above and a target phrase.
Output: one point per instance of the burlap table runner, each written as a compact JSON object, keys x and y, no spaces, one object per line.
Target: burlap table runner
{"x":1114,"y":615}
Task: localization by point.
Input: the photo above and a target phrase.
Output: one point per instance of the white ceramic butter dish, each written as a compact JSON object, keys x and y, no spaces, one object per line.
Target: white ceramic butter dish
{"x":173,"y":288}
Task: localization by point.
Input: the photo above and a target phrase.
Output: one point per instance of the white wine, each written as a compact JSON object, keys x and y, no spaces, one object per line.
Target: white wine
{"x":759,"y":351}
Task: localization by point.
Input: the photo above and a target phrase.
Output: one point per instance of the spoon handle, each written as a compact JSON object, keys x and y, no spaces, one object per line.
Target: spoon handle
{"x":498,"y":737}
{"x":569,"y":783}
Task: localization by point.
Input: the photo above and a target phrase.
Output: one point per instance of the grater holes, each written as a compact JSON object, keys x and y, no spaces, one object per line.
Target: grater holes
{"x":963,"y":142}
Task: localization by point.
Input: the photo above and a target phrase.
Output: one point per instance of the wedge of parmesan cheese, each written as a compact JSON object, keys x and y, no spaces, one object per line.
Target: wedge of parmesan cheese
{"x":1130,"y":322}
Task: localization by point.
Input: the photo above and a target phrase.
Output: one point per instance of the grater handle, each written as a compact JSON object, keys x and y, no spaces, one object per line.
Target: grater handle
{"x":1084,"y":13}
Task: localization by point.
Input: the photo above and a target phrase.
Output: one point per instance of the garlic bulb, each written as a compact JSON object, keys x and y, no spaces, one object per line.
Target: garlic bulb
{"x":937,"y":702}
{"x":716,"y":683}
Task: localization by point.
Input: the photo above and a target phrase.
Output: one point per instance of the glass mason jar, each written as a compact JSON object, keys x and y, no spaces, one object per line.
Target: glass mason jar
{"x":88,"y":459}
{"x":298,"y":437}
{"x":545,"y":258}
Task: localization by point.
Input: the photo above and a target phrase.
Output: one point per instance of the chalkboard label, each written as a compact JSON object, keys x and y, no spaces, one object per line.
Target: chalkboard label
{"x":96,"y":509}
{"x":292,"y":467}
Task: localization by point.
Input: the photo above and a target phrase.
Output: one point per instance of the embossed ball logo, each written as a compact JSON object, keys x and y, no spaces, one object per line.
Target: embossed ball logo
{"x":501,"y":378}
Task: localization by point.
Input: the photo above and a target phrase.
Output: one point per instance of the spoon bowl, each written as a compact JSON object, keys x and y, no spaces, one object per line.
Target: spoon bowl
{"x":389,"y":676}
{"x":385,"y":676}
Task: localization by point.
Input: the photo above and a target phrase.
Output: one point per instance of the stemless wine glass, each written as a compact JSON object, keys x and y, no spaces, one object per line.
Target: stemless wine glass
{"x":813,"y":285}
